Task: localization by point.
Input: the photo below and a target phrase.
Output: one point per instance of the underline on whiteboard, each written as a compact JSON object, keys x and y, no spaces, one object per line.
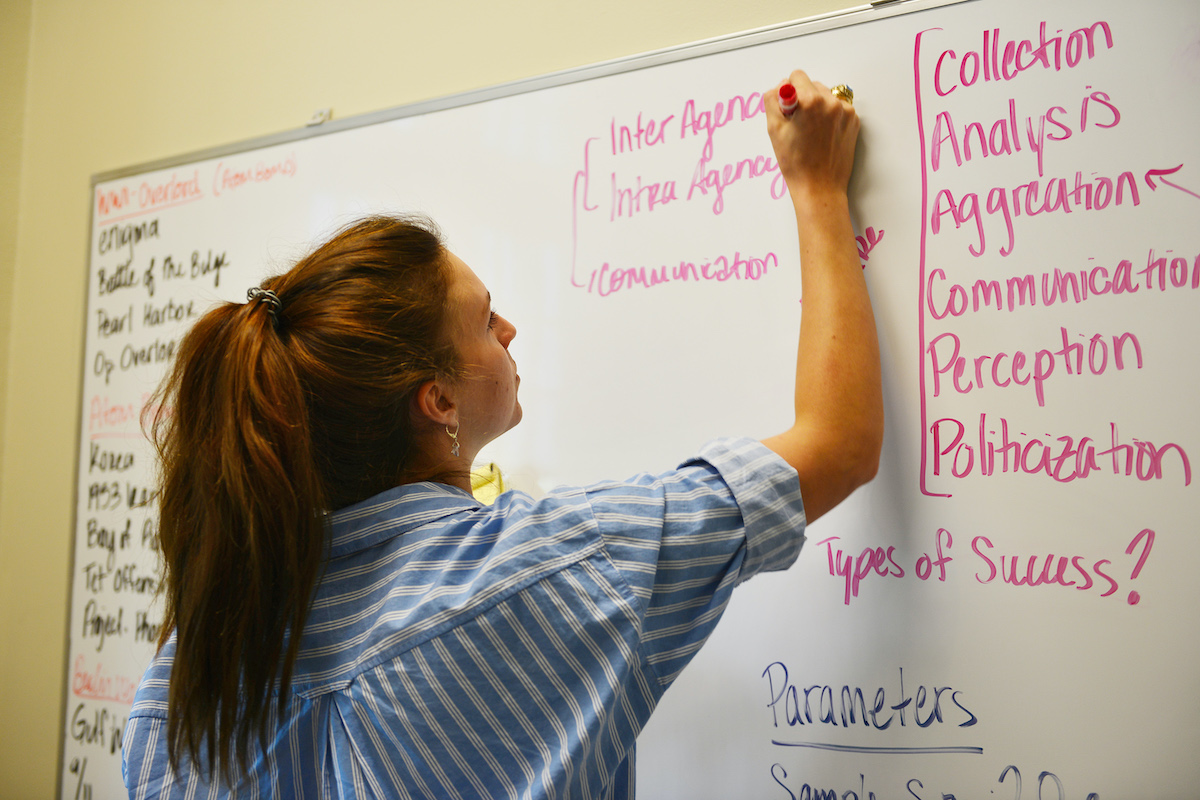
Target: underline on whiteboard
{"x":151,"y":210}
{"x":846,"y":748}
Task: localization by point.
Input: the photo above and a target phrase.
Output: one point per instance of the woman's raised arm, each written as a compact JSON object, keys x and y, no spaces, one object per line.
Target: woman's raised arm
{"x":835,"y":441}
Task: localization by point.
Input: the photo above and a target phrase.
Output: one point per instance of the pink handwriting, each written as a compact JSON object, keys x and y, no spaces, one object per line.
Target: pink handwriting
{"x":1003,"y":204}
{"x":1161,"y":175}
{"x":104,"y":414}
{"x":724,"y":112}
{"x":631,"y":201}
{"x":623,"y":139}
{"x":1021,"y":291}
{"x":1065,"y":571}
{"x":999,"y":450}
{"x":1076,"y":571}
{"x":1018,"y":56}
{"x":1004,"y":136}
{"x":945,"y":357}
{"x":879,"y":562}
{"x":607,"y":279}
{"x":719,"y":179}
{"x":867,"y":242}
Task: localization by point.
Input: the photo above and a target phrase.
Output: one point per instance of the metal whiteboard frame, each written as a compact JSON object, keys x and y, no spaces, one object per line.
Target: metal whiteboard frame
{"x":880,"y":9}
{"x":869,"y":12}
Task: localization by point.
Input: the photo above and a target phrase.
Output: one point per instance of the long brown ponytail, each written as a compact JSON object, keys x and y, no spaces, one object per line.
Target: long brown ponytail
{"x":270,"y":418}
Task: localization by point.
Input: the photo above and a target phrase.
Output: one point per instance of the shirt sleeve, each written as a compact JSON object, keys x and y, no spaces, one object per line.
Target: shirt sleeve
{"x":682,"y":540}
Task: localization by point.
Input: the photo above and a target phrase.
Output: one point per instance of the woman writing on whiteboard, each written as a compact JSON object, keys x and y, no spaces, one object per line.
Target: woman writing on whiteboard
{"x":343,"y":619}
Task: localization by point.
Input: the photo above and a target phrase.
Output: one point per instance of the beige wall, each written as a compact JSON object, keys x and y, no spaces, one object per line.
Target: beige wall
{"x":96,"y":85}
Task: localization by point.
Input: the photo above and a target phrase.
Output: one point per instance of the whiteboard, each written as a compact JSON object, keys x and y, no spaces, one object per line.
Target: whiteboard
{"x":1007,"y":609}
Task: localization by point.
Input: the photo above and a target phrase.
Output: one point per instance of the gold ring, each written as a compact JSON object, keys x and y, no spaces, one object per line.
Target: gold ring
{"x":843,"y":92}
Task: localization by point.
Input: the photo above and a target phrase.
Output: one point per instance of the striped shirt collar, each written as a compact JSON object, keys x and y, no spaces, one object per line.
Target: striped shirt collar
{"x":383,"y":517}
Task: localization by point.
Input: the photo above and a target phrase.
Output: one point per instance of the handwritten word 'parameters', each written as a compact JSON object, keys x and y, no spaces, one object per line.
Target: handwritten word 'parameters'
{"x":795,"y":703}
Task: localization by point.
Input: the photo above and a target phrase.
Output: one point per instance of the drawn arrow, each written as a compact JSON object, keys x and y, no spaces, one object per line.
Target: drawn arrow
{"x":1159,"y":173}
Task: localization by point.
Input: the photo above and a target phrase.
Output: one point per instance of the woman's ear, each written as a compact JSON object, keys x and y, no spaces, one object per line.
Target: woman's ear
{"x":433,"y":402}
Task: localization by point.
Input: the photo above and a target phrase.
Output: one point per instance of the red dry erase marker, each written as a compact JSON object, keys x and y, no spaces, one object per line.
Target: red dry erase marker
{"x":787,"y":99}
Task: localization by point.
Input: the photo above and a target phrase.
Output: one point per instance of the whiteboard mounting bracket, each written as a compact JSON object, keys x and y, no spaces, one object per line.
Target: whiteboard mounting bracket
{"x":319,"y":116}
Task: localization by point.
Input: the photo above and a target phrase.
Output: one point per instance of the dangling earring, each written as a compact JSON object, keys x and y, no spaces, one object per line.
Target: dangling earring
{"x":454,"y":437}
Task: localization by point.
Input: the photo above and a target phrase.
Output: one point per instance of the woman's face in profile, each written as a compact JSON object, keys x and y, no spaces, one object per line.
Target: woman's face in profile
{"x":487,"y":395}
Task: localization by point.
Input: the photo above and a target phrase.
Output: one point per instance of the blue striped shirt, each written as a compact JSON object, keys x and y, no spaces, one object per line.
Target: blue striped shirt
{"x":456,"y":650}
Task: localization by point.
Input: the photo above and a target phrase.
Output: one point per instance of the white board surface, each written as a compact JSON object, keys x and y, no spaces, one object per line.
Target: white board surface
{"x":1009,"y":598}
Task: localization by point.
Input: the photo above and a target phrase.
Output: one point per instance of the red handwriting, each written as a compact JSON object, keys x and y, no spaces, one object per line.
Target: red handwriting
{"x":91,"y":682}
{"x":113,"y":205}
{"x":228,"y":178}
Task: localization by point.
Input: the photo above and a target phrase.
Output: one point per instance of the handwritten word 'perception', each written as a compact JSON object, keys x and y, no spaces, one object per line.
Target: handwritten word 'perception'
{"x":1021,"y":368}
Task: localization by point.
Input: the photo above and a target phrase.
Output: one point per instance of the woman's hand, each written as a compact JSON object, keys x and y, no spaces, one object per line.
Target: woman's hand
{"x":814,"y":145}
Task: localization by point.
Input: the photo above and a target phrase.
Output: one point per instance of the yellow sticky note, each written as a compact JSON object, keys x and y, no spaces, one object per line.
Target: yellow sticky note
{"x":487,"y":483}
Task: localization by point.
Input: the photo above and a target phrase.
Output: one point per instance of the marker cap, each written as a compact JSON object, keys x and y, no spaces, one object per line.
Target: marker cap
{"x":787,"y":99}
